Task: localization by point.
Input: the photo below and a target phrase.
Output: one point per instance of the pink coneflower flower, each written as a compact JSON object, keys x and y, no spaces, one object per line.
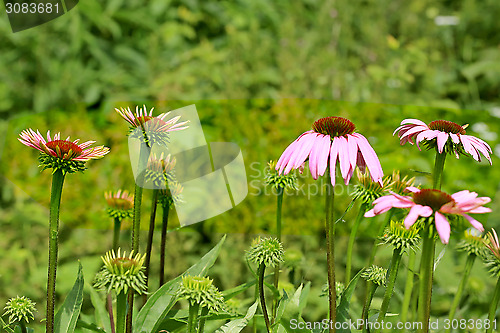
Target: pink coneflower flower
{"x":427,"y":202}
{"x":152,"y":128}
{"x":119,"y":199}
{"x":331,"y":139}
{"x":66,"y":155}
{"x":447,"y":136}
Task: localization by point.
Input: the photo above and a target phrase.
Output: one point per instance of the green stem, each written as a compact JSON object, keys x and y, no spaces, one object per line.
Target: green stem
{"x":164,"y":226}
{"x":371,"y":288}
{"x":458,"y":296}
{"x":109,"y":306}
{"x":136,"y":223}
{"x":116,"y":233}
{"x":121,"y":312}
{"x":149,"y":246}
{"x":192,"y":318}
{"x":23,"y":327}
{"x":393,"y":274}
{"x":380,"y":234}
{"x":278,"y":235}
{"x":262,"y":269}
{"x":426,"y":274}
{"x":203,"y":319}
{"x":55,"y":204}
{"x":493,"y":308}
{"x":438,"y":170}
{"x":409,"y":286}
{"x":352,"y":238}
{"x":330,"y":254}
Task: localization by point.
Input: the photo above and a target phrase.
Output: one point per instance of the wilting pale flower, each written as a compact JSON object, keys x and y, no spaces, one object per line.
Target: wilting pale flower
{"x":68,"y":156}
{"x":153,"y":129}
{"x":427,"y":202}
{"x":120,"y":204}
{"x":447,"y":136}
{"x":331,"y":139}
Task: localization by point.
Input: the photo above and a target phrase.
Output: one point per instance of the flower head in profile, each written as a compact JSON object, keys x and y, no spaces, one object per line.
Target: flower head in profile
{"x":375,"y":274}
{"x":331,"y":139}
{"x":65,"y":155}
{"x":472,"y":243}
{"x":201,"y":291}
{"x":427,"y":202}
{"x":492,"y":257}
{"x":446,"y":136}
{"x":150,"y":129}
{"x":121,"y":272}
{"x":279,"y":181}
{"x":160,"y":169}
{"x":171,"y":195}
{"x":120,"y":204}
{"x":20,"y":309}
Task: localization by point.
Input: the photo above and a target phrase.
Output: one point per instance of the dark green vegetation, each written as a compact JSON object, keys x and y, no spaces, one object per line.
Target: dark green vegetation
{"x":238,"y":61}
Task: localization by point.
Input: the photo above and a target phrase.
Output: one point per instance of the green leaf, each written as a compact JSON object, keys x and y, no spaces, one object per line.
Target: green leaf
{"x":101,"y":315}
{"x":237,"y":325}
{"x":230,"y":293}
{"x":67,"y":316}
{"x":291,"y":308}
{"x":159,"y":304}
{"x":345,"y":300}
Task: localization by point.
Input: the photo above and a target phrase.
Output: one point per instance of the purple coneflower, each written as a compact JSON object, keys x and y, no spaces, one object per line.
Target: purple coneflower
{"x":442,"y":133}
{"x":426,"y":202}
{"x":333,"y":138}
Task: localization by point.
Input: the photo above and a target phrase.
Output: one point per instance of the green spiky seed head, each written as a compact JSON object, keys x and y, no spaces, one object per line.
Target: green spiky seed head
{"x":401,"y":238}
{"x":20,"y":308}
{"x":268,"y":251}
{"x":201,"y":291}
{"x":399,"y":185}
{"x":121,"y":273}
{"x":375,"y":274}
{"x":472,"y":244}
{"x":367,"y":190}
{"x":274,"y":179}
{"x":171,"y":195}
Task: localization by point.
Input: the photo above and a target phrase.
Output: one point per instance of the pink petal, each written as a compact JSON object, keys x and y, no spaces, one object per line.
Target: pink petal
{"x":441,"y":141}
{"x":323,"y":155}
{"x":442,"y":227}
{"x":412,"y":189}
{"x":466,"y":142}
{"x":313,"y":160}
{"x":305,"y":150}
{"x":334,"y":150}
{"x":414,"y":122}
{"x":412,"y":216}
{"x":343,"y":156}
{"x":454,"y":138}
{"x":476,"y":224}
{"x":370,"y":157}
{"x":414,"y":131}
{"x":370,"y":213}
{"x":285,"y":157}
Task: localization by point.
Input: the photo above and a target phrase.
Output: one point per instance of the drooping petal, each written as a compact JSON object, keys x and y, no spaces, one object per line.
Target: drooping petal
{"x":323,"y":155}
{"x":466,"y":142}
{"x":412,"y":216}
{"x":442,"y":227}
{"x":414,"y":122}
{"x":343,"y":156}
{"x":313,"y":160}
{"x":441,"y":141}
{"x":285,"y":157}
{"x":334,"y":150}
{"x":370,"y":158}
{"x":476,"y":224}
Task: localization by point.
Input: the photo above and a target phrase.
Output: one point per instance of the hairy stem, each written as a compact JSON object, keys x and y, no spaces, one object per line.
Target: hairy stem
{"x":262,"y":269}
{"x":192,"y":317}
{"x":203,"y":319}
{"x":164,"y":226}
{"x":437,"y":179}
{"x":278,"y":235}
{"x":426,"y":275}
{"x":393,"y":274}
{"x":55,"y":204}
{"x":330,"y":254}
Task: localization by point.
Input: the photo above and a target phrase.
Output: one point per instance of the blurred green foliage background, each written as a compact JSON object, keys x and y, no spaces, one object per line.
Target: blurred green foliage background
{"x":259,"y":73}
